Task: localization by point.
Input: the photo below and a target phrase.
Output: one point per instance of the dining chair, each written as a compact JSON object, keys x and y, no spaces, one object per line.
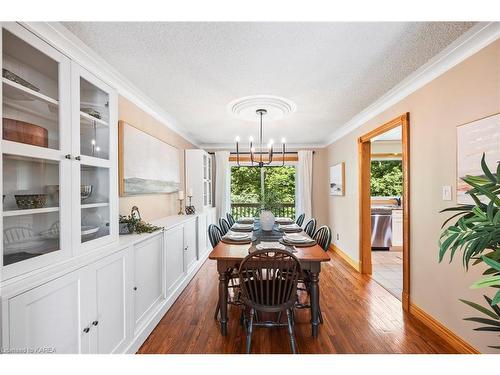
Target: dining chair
{"x":224,"y":226}
{"x":230,"y":219}
{"x":268,"y":284}
{"x":214,"y":234}
{"x":300,"y":219}
{"x":310,"y":227}
{"x":323,"y":237}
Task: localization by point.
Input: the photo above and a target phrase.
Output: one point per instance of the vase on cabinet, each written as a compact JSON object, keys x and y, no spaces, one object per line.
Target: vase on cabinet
{"x":266,"y":220}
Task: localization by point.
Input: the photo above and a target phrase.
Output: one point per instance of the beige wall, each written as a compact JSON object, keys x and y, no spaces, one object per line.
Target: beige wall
{"x":469,"y":91}
{"x":158,"y":205}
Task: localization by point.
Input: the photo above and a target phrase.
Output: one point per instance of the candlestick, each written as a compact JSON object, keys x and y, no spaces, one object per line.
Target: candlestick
{"x":181,"y":194}
{"x":190,"y":192}
{"x":180,"y":207}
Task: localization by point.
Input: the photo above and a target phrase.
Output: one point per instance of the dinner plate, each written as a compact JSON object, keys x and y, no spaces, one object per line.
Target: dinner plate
{"x":270,"y":246}
{"x":283,"y":220}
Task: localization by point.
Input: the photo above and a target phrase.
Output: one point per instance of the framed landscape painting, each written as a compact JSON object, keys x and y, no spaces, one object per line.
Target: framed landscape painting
{"x":147,"y":165}
{"x":337,"y":177}
{"x":474,"y":139}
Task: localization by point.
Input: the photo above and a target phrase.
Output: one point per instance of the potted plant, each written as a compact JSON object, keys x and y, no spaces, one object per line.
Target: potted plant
{"x":477,"y":234}
{"x":133,"y":224}
{"x":269,"y":202}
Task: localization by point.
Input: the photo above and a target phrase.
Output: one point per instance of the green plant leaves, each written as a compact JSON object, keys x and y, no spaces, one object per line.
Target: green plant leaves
{"x":482,"y":309}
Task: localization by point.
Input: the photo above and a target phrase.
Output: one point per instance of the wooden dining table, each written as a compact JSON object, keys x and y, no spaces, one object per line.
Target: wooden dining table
{"x":229,"y":256}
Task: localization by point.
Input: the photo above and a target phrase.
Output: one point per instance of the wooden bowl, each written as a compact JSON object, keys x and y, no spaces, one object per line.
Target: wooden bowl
{"x":24,"y":132}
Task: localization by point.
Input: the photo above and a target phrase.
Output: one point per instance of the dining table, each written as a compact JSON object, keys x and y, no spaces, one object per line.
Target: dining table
{"x":229,"y":256}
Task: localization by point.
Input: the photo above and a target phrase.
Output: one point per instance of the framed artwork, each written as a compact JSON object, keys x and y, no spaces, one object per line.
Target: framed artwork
{"x":147,"y":165}
{"x":337,"y":177}
{"x":474,"y":139}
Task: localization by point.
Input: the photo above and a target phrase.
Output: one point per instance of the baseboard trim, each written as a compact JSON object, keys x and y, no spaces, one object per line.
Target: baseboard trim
{"x":353,"y":263}
{"x":438,"y":328}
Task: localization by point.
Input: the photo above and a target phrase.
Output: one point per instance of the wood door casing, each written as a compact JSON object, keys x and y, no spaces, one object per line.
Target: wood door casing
{"x":364,"y":158}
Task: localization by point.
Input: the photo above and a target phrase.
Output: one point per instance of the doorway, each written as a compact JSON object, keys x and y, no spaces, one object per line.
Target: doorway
{"x":383,"y":198}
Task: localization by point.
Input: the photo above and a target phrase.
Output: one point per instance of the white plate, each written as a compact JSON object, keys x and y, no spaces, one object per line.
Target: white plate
{"x":270,"y":246}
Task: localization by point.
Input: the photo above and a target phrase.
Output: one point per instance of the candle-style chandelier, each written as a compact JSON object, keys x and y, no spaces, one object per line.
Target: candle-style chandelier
{"x":260,"y":160}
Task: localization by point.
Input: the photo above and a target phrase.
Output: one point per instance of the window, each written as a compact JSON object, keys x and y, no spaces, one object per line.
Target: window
{"x":249,"y":183}
{"x":386,"y":178}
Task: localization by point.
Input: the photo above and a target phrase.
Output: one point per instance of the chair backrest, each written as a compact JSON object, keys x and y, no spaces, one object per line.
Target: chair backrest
{"x":268,"y":280}
{"x":300,"y":219}
{"x":224,"y":226}
{"x":310,"y":227}
{"x":323,"y":237}
{"x":214,"y":234}
{"x":230,"y":219}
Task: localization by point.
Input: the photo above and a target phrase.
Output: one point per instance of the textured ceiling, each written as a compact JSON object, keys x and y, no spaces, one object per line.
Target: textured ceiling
{"x":331,"y":71}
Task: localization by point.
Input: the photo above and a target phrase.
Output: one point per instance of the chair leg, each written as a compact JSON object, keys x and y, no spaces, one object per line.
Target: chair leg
{"x":249,"y":331}
{"x":291,"y":331}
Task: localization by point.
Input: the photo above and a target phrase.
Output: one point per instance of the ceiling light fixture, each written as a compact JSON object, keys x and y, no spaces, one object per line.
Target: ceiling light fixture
{"x":260,"y":163}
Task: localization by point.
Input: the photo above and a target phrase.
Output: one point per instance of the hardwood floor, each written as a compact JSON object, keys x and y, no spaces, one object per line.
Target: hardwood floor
{"x":360,"y":316}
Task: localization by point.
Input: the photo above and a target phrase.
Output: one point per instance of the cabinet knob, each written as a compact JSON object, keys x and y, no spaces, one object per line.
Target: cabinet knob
{"x":95,"y":322}
{"x":135,"y":288}
{"x":68,"y":156}
{"x":78,"y":158}
{"x":86,"y":330}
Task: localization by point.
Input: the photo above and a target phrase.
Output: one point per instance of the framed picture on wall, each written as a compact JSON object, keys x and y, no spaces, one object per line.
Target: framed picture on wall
{"x":146,"y":164}
{"x":474,"y":139}
{"x":337,"y":177}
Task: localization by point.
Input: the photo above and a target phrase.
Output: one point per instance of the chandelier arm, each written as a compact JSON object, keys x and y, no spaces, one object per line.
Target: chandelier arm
{"x":251,"y":153}
{"x":237,"y":154}
{"x":283,"y":155}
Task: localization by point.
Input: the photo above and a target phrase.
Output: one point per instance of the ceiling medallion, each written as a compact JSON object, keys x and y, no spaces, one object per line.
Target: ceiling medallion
{"x":276,"y":107}
{"x":253,"y":108}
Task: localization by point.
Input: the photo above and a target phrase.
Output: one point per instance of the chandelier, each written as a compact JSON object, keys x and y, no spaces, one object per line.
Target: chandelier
{"x":270,"y":151}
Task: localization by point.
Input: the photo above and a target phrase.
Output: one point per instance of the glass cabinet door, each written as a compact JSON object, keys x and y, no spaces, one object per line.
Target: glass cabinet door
{"x":94,"y":176}
{"x":35,"y":172}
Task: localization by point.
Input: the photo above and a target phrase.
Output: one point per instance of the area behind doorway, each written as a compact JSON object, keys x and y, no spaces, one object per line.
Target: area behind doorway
{"x":384,"y":208}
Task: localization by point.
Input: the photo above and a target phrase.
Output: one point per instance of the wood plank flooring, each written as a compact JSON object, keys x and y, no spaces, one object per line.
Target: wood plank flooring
{"x":360,"y":316}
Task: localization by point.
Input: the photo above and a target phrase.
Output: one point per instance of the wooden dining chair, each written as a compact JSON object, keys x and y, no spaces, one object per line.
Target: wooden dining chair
{"x":224,"y":226}
{"x":230,"y":219}
{"x":300,"y":219}
{"x":268,"y":284}
{"x":323,"y":237}
{"x":310,"y":227}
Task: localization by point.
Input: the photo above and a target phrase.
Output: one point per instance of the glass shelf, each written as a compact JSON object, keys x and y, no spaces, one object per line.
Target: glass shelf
{"x":30,"y":94}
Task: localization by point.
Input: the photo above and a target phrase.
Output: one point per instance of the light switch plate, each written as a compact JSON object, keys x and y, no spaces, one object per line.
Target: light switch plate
{"x":447,"y":193}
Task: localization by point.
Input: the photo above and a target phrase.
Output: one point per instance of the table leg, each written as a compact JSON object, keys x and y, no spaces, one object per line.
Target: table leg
{"x":314,"y":303}
{"x":223,"y":302}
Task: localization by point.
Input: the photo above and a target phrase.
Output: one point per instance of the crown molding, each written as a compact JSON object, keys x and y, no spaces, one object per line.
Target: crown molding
{"x":475,"y":39}
{"x":289,"y":146}
{"x":67,"y":43}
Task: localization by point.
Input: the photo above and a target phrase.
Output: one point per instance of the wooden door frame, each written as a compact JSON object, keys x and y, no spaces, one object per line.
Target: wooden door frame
{"x":364,"y":157}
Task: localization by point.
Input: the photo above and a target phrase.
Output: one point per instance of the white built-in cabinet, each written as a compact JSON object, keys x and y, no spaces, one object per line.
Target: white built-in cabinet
{"x":84,"y":311}
{"x":59,"y":162}
{"x":148,"y":280}
{"x":199,"y":177}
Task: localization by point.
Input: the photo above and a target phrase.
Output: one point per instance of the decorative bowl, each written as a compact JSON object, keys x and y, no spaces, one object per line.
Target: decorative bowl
{"x":85,"y":191}
{"x":30,"y":201}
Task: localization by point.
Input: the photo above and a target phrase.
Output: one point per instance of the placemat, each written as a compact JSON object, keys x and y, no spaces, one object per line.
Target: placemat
{"x":233,"y":242}
{"x":308,"y":244}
